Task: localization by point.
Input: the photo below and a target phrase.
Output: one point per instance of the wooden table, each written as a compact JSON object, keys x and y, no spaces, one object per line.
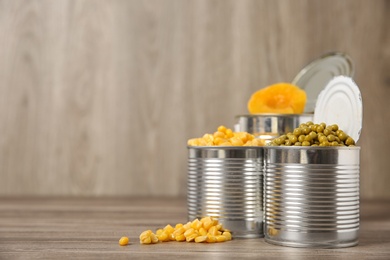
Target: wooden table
{"x":89,"y":228}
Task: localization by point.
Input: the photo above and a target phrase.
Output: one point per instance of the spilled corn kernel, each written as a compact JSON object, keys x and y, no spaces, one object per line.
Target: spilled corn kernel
{"x":205,"y":230}
{"x":123,"y":241}
{"x":226,"y":137}
{"x":148,"y":237}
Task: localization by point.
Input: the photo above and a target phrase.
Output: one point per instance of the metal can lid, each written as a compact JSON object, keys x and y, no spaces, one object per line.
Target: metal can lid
{"x":314,"y":77}
{"x":340,"y":102}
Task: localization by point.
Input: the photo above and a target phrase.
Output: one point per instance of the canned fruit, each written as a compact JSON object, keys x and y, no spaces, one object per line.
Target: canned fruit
{"x":310,"y":134}
{"x":205,"y":230}
{"x":226,"y":137}
{"x":283,"y":98}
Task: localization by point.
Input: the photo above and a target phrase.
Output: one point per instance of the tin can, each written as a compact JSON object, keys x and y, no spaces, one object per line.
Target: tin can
{"x":312,"y":196}
{"x":227,"y":183}
{"x":269,"y":126}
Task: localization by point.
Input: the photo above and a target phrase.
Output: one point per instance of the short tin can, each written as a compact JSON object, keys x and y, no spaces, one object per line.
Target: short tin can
{"x":269,"y":126}
{"x":311,"y":196}
{"x":227,"y":183}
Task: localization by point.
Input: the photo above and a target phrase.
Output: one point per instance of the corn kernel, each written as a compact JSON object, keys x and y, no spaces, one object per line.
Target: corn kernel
{"x":196,"y":224}
{"x":179,"y":231}
{"x":179,"y":225}
{"x":229,"y":133}
{"x":228,"y":235}
{"x":219,"y":134}
{"x":221,"y":129}
{"x":213,"y":231}
{"x":189,"y":232}
{"x":200,"y":239}
{"x":192,"y":237}
{"x":145,"y":234}
{"x":207,"y":223}
{"x":208,"y":138}
{"x":193,"y":142}
{"x":202,"y":231}
{"x":211,"y":239}
{"x":187,"y":226}
{"x":154,"y":238}
{"x":215,"y":221}
{"x":123,"y":241}
{"x":220,"y":140}
{"x":180,"y":238}
{"x":147,"y":237}
{"x":164,"y":236}
{"x":221,"y":238}
{"x":159,"y":231}
{"x":169,"y":228}
{"x":218,"y":227}
{"x":146,"y":240}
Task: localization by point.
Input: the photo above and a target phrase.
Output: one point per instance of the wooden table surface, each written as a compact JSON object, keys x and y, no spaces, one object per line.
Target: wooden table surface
{"x":89,"y":228}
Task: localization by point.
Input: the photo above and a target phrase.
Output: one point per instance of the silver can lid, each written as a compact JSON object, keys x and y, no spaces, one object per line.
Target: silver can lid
{"x":316,"y":75}
{"x":341,"y":103}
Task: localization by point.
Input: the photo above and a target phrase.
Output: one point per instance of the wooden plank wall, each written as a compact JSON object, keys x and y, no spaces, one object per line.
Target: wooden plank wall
{"x":99,"y":97}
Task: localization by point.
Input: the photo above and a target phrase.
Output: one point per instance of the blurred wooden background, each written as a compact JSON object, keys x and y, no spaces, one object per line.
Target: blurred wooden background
{"x":100,"y":97}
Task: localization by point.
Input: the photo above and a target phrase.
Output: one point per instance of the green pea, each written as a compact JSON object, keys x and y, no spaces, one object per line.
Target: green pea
{"x":343,"y":136}
{"x":283,"y":137}
{"x":305,"y":143}
{"x":297,"y":131}
{"x":306,"y":130}
{"x":335,"y":127}
{"x":326,"y":143}
{"x":349,"y":141}
{"x":301,"y":138}
{"x":313,"y":135}
{"x":287,"y":143}
{"x":323,"y":125}
{"x":298,"y":144}
{"x":320,"y":129}
{"x":308,"y":138}
{"x":293,"y":138}
{"x":322,"y":139}
{"x":278,"y":141}
{"x":327,"y":131}
{"x":331,"y":138}
{"x":334,"y":143}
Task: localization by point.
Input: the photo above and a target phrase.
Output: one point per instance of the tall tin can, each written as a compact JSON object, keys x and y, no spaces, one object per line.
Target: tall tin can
{"x":227,"y":183}
{"x":312,"y":196}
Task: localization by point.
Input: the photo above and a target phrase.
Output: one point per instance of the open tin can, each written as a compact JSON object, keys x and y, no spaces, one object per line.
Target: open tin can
{"x":269,"y":126}
{"x":311,"y":196}
{"x":227,"y":183}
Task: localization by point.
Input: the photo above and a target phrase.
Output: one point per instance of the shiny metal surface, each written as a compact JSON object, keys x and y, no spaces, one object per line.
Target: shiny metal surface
{"x":312,"y":196}
{"x":315,"y":76}
{"x":227,"y":183}
{"x":270,"y":124}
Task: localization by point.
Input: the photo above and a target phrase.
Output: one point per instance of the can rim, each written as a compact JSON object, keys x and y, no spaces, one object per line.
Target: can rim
{"x":313,"y":147}
{"x":274,"y":115}
{"x":216,"y":147}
